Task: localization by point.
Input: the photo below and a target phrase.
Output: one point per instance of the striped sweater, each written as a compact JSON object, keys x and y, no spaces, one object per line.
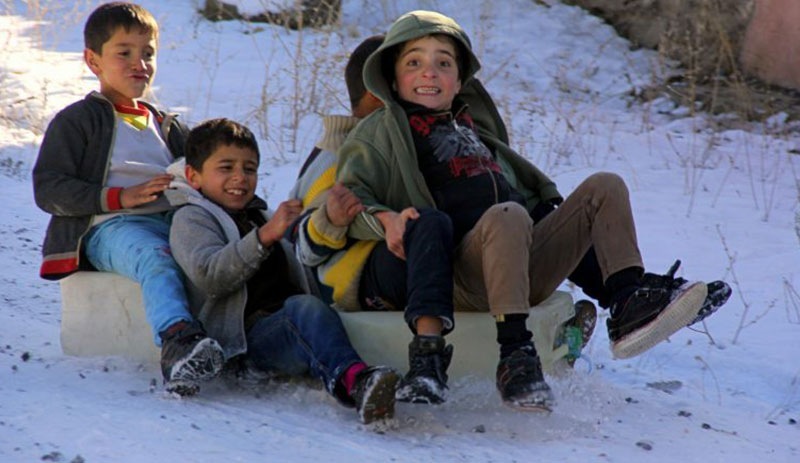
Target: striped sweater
{"x":337,"y":260}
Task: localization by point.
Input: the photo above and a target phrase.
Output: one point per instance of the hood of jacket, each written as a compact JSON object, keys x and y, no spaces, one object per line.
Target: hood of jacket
{"x":379,"y":67}
{"x":179,"y":191}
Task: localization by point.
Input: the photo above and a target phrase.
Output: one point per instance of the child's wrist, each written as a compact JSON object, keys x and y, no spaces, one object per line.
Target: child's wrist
{"x":263,"y":249}
{"x":114,"y":198}
{"x":384,"y":217}
{"x":265,"y":239}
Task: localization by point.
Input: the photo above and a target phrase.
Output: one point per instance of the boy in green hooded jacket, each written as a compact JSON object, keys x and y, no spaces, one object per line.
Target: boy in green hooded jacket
{"x":462,"y":218}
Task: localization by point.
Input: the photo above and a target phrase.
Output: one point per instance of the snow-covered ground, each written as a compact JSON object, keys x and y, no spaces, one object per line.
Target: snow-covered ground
{"x":722,"y":201}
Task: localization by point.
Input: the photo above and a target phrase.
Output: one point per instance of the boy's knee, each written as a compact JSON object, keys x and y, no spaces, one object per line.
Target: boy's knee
{"x":307,"y":305}
{"x":432,"y":222}
{"x":508,"y":214}
{"x":158,"y":256}
{"x":306,"y":301}
{"x":435,"y":218}
{"x":608,"y":182}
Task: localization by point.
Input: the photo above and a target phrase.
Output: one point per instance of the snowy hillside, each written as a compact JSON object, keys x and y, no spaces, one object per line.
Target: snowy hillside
{"x":724,"y":202}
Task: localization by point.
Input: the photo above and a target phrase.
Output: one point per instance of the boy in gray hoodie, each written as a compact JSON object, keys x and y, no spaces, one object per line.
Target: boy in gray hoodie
{"x":243,"y":276}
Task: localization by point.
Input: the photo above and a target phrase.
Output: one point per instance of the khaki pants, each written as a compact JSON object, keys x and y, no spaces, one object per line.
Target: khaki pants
{"x":506,"y":264}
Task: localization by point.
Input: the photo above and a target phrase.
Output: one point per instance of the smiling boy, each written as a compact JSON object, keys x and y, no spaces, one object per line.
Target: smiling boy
{"x":426,"y":72}
{"x":250,"y":289}
{"x":101,"y":173}
{"x":433,"y":182}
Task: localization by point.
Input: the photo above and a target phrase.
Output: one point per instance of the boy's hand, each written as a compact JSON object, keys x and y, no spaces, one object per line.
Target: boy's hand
{"x":342,"y":205}
{"x":394,"y":226}
{"x":144,"y":193}
{"x":272,"y":231}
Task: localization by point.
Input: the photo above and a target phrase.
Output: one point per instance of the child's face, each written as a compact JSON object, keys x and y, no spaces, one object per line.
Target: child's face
{"x":126,"y":65}
{"x":229,"y":176}
{"x":426,"y":72}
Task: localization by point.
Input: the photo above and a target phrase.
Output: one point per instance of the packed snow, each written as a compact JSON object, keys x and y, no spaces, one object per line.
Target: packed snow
{"x":724,"y":201}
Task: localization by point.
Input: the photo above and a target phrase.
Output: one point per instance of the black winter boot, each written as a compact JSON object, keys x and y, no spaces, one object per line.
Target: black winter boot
{"x":188,"y":357}
{"x":426,"y":380}
{"x":521,"y":382}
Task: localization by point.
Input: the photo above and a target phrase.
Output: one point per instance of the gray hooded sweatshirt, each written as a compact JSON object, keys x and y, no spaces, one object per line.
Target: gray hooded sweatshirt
{"x":218,"y":262}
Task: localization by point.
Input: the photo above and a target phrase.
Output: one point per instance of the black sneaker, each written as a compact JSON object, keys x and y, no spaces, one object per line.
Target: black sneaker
{"x":188,"y":357}
{"x":426,"y":380}
{"x":718,"y":291}
{"x":521,"y":382}
{"x":373,"y":393}
{"x":652,"y":313}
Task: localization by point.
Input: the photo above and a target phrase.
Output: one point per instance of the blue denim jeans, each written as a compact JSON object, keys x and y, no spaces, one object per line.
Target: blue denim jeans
{"x":137,"y":246}
{"x":304,"y":336}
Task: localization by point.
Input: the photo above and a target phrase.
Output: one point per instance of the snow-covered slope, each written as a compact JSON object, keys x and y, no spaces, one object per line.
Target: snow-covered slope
{"x":723,"y":202}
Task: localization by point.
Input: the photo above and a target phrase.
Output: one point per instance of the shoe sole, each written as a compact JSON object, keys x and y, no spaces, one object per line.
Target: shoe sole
{"x":675,"y":316}
{"x":204,"y":363}
{"x":379,"y":403}
{"x":585,"y":320}
{"x":714,"y":300}
{"x":535,"y":401}
{"x":529,"y":406}
{"x":420,"y":399}
{"x":182,"y":387}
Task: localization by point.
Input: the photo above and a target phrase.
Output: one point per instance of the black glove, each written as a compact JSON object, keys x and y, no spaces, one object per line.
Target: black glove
{"x":543,"y":208}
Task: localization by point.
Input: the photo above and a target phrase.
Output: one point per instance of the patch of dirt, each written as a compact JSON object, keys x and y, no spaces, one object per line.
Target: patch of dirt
{"x":705,"y":38}
{"x":749,"y":99}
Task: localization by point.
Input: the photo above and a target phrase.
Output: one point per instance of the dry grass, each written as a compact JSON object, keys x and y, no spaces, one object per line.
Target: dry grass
{"x":313,"y":14}
{"x":704,"y":37}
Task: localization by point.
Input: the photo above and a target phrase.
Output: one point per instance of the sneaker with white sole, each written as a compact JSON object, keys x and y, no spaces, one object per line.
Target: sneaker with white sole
{"x":651,"y":314}
{"x":717,"y":295}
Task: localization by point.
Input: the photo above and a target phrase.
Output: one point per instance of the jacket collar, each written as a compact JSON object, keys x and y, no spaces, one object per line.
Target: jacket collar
{"x":459,"y":106}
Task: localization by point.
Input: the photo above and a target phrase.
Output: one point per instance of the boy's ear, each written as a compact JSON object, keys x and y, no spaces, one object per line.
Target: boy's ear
{"x":90,"y":58}
{"x":192,"y":177}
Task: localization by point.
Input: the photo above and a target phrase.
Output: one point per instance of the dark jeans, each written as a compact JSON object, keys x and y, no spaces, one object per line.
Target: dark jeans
{"x":423,"y":283}
{"x":304,"y":336}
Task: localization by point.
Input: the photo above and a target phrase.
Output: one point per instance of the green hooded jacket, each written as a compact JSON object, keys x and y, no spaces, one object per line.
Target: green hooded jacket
{"x":378,"y":161}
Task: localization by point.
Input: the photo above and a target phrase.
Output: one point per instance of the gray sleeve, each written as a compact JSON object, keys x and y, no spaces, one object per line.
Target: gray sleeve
{"x":214,"y":264}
